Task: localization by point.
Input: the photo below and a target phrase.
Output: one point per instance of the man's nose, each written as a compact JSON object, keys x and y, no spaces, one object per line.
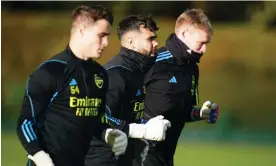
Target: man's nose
{"x":155,"y":43}
{"x":203,"y":48}
{"x":105,"y":41}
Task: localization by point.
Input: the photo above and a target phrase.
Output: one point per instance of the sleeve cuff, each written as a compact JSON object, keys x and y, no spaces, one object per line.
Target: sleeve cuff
{"x":195,"y":114}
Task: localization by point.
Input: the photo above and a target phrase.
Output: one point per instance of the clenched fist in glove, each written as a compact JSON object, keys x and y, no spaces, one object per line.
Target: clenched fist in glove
{"x":41,"y":158}
{"x":118,"y":141}
{"x":155,"y":129}
{"x":208,"y":111}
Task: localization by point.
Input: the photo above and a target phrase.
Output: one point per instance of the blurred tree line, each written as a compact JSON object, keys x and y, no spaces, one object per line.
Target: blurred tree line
{"x":217,"y":11}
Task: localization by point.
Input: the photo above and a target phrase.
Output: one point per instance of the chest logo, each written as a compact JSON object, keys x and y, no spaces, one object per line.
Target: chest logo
{"x":138,"y":93}
{"x":73,"y":82}
{"x":144,"y":90}
{"x":193,"y":85}
{"x":173,"y":80}
{"x":98,"y":81}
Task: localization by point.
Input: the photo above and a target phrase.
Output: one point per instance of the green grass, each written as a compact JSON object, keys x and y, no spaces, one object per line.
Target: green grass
{"x":12,"y":153}
{"x":198,"y":154}
{"x":188,"y":154}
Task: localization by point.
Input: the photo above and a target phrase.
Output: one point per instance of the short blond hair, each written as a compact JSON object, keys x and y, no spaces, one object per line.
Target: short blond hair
{"x":196,"y":18}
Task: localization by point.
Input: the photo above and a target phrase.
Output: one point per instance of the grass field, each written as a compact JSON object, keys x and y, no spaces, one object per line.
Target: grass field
{"x":188,"y":154}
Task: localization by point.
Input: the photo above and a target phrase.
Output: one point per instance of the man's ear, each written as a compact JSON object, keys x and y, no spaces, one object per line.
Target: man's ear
{"x":185,"y":31}
{"x":81,"y":29}
{"x":131,"y":42}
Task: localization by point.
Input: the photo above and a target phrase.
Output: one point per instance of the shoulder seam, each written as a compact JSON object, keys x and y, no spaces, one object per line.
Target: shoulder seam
{"x":52,"y":60}
{"x":111,"y":67}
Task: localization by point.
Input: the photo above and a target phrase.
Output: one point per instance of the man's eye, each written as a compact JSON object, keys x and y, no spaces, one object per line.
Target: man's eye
{"x":103,"y":34}
{"x":151,"y":38}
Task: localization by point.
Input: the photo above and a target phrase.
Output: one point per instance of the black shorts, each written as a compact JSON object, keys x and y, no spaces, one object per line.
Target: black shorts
{"x":154,"y":159}
{"x":100,"y":155}
{"x":103,"y":155}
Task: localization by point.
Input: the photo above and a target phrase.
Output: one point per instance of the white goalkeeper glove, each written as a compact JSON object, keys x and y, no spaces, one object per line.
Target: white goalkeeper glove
{"x":41,"y":158}
{"x":155,"y":129}
{"x":117,"y":139}
{"x":209,"y":111}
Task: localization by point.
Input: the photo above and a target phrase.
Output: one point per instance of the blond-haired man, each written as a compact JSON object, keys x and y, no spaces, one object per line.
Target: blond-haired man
{"x":172,"y":83}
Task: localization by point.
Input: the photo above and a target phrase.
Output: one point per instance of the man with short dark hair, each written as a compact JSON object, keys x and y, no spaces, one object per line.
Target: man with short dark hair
{"x":172,"y":83}
{"x":125,"y":97}
{"x":66,"y":95}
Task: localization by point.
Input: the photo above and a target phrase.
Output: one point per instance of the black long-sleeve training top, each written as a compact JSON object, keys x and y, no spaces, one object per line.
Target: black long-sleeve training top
{"x":172,"y":91}
{"x":125,"y":100}
{"x":62,"y":107}
{"x":126,"y":92}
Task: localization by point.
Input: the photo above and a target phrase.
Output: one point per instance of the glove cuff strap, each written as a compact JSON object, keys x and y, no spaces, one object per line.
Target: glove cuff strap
{"x":195,"y":114}
{"x":137,"y":130}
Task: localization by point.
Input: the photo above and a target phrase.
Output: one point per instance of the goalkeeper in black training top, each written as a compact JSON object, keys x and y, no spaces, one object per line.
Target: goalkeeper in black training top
{"x":172,"y":83}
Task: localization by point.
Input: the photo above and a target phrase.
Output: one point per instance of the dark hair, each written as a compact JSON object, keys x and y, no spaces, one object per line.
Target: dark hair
{"x":133,"y":22}
{"x":92,"y":13}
